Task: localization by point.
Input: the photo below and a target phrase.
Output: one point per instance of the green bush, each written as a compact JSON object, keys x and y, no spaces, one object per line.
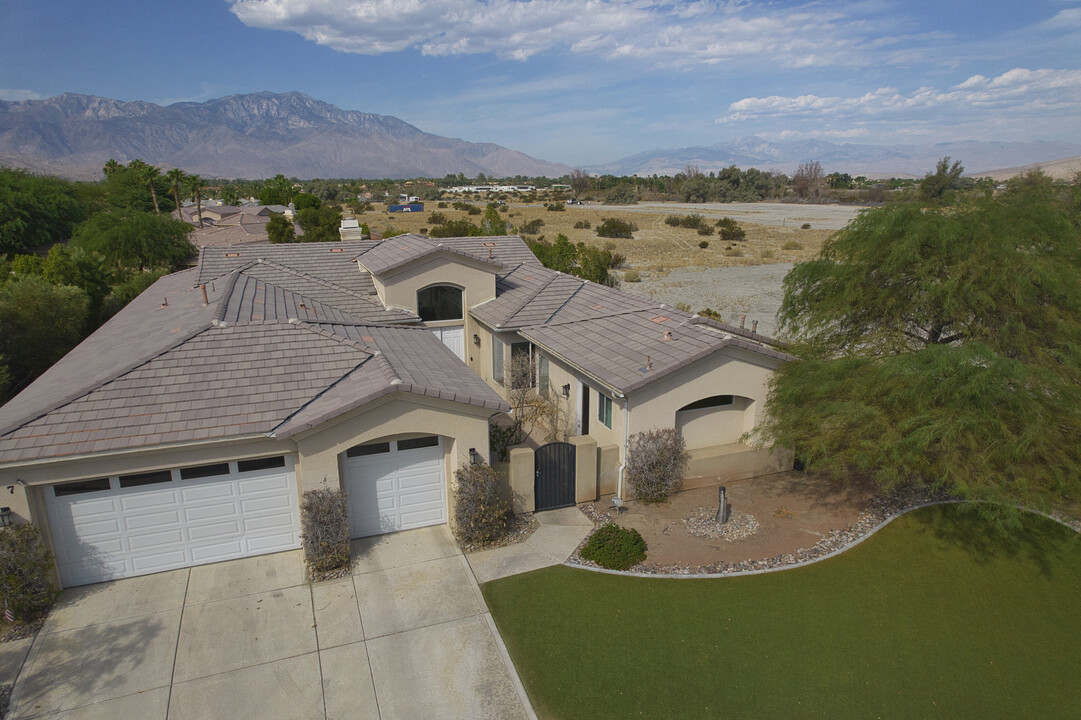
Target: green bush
{"x":656,"y":462}
{"x":555,"y":207}
{"x":532,"y":227}
{"x":730,"y":230}
{"x":805,"y":226}
{"x":616,"y":228}
{"x":480,"y":514}
{"x":582,"y":225}
{"x":707,"y":230}
{"x":25,"y":569}
{"x":632,"y":276}
{"x":792,"y":245}
{"x":704,"y":244}
{"x":324,"y":516}
{"x":436,"y":218}
{"x":622,"y":195}
{"x":615,"y":547}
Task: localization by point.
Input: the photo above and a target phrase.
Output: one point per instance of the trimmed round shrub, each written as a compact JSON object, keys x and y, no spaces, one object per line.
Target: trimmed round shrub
{"x":480,"y":513}
{"x":615,"y":547}
{"x":704,"y":244}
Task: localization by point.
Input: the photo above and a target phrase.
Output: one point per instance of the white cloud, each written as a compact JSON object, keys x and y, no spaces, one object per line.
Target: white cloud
{"x":18,"y":95}
{"x":664,"y":33}
{"x":1021,"y":92}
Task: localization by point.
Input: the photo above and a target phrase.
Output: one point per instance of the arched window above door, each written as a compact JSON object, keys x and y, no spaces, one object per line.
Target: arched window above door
{"x":440,"y":302}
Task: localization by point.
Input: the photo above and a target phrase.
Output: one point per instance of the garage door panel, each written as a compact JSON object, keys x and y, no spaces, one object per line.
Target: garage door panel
{"x":396,"y":490}
{"x":139,"y":530}
{"x":134,"y":523}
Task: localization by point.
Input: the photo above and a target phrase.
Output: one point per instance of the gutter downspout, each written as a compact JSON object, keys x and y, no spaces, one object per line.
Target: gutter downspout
{"x":626,"y":426}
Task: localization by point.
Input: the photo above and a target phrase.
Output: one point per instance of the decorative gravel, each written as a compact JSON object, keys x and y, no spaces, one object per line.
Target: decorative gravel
{"x":703,"y":523}
{"x":878,"y":510}
{"x":5,"y":698}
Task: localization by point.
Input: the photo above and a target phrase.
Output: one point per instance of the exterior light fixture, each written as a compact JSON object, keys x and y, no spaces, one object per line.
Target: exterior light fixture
{"x":474,"y":457}
{"x":476,"y":340}
{"x":5,"y":516}
{"x":567,"y":390}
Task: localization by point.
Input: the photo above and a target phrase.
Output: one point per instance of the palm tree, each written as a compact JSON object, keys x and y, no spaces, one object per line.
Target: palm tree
{"x":196,"y":185}
{"x":177,"y":179}
{"x":111,"y":166}
{"x":148,"y":174}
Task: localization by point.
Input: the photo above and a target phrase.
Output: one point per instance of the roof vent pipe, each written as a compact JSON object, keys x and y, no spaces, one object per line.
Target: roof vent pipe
{"x":165,"y":302}
{"x":206,"y":301}
{"x":489,"y":253}
{"x":649,"y":363}
{"x":743,"y":321}
{"x":754,"y":326}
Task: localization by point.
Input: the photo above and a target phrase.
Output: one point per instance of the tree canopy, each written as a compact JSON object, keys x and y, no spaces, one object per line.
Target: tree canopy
{"x":132,"y":240}
{"x":36,"y":210}
{"x":941,"y":346}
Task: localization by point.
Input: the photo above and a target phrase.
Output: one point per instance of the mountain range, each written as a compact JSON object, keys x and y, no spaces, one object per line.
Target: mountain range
{"x":256,"y":135}
{"x":261,"y":134}
{"x":855,"y":159}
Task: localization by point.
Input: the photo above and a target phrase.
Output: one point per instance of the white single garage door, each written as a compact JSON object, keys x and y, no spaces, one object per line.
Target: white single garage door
{"x":109,"y":528}
{"x":453,"y":337}
{"x":395,"y":485}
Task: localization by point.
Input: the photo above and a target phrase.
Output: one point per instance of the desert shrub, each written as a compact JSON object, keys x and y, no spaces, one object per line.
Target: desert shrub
{"x":531,"y":227}
{"x":455,"y":228}
{"x":622,"y":195}
{"x":792,"y":245}
{"x":733,"y":252}
{"x":805,"y":226}
{"x":632,"y":276}
{"x":705,"y":231}
{"x":685,"y":307}
{"x":767,"y":254}
{"x":473,"y":210}
{"x":324,"y":515}
{"x":480,"y":514}
{"x":616,"y":228}
{"x":730,"y":230}
{"x":442,"y":205}
{"x":704,"y":244}
{"x":436,"y":218}
{"x":615,"y":547}
{"x":25,"y":569}
{"x":582,"y":225}
{"x":656,"y":461}
{"x":674,"y":220}
{"x":555,"y":207}
{"x":711,"y":314}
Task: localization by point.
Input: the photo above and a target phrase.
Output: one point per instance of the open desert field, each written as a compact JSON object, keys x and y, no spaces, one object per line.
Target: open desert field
{"x":774,"y":232}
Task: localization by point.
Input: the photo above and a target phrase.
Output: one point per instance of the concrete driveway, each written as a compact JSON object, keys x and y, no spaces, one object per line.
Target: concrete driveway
{"x":406,"y":636}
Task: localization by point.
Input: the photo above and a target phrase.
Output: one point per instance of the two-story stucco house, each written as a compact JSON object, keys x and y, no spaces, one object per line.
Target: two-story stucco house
{"x":186,"y":428}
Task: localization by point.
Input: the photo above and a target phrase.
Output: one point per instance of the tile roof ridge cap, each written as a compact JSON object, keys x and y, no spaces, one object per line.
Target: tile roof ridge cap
{"x":226,"y":295}
{"x":272,"y":432}
{"x":581,"y":284}
{"x":737,"y":331}
{"x":544,"y":286}
{"x":116,"y":375}
{"x":330,"y":334}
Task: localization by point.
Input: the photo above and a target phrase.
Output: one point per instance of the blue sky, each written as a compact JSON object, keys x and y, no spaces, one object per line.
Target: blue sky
{"x":584,"y":81}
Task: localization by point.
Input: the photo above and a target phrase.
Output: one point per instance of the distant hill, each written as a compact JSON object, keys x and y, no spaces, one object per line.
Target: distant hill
{"x":1064,"y":169}
{"x":250,"y":136}
{"x":853,"y":158}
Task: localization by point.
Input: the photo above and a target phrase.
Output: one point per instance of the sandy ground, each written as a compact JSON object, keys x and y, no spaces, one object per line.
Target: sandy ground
{"x":793,"y":511}
{"x":822,"y":217}
{"x":753,"y":290}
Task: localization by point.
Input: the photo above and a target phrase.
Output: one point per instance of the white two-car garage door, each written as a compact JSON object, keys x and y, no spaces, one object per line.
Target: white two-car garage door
{"x":395,"y":485}
{"x":115,"y":527}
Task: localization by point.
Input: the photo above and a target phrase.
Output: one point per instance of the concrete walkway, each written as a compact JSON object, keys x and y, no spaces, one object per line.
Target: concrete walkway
{"x":560,"y":532}
{"x":407,"y":635}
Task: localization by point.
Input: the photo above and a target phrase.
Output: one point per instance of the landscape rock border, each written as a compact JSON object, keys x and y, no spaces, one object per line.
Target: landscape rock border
{"x":881,"y":510}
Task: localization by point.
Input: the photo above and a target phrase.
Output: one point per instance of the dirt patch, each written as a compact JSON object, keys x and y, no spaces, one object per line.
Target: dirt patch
{"x":792,"y":511}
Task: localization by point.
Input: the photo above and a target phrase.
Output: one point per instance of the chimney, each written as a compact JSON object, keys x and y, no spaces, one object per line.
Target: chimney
{"x":489,"y":253}
{"x":742,"y":321}
{"x":206,"y":300}
{"x":754,"y":326}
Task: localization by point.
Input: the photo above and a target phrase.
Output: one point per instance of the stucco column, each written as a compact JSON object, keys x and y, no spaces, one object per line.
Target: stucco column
{"x":585,"y":468}
{"x":522,"y":479}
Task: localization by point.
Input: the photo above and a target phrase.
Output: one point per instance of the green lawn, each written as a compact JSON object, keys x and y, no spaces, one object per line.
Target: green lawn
{"x":935,"y":616}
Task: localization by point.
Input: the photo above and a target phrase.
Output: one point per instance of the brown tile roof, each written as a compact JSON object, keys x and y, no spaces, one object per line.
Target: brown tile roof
{"x":331,"y":261}
{"x":401,"y":250}
{"x":629,"y":350}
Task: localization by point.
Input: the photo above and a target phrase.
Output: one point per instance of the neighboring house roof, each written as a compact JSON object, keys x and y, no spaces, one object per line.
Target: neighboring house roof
{"x":401,"y":250}
{"x":628,"y":350}
{"x":334,"y":261}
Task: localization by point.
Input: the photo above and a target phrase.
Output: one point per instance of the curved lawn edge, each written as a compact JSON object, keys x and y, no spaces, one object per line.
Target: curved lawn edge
{"x":1075,"y":526}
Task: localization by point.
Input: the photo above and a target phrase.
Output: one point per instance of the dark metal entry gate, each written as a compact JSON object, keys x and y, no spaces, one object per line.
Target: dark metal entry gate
{"x":553,"y":486}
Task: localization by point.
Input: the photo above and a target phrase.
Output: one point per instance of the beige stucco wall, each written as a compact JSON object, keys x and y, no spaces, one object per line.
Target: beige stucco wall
{"x":397,"y":415}
{"x":714,"y":426}
{"x":732,"y":371}
{"x":398,"y":288}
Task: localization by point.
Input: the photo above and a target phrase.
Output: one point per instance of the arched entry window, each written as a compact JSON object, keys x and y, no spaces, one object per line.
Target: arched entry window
{"x":440,"y":302}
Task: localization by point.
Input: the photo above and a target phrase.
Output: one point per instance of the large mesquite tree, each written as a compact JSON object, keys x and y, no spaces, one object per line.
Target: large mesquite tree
{"x":943,"y":347}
